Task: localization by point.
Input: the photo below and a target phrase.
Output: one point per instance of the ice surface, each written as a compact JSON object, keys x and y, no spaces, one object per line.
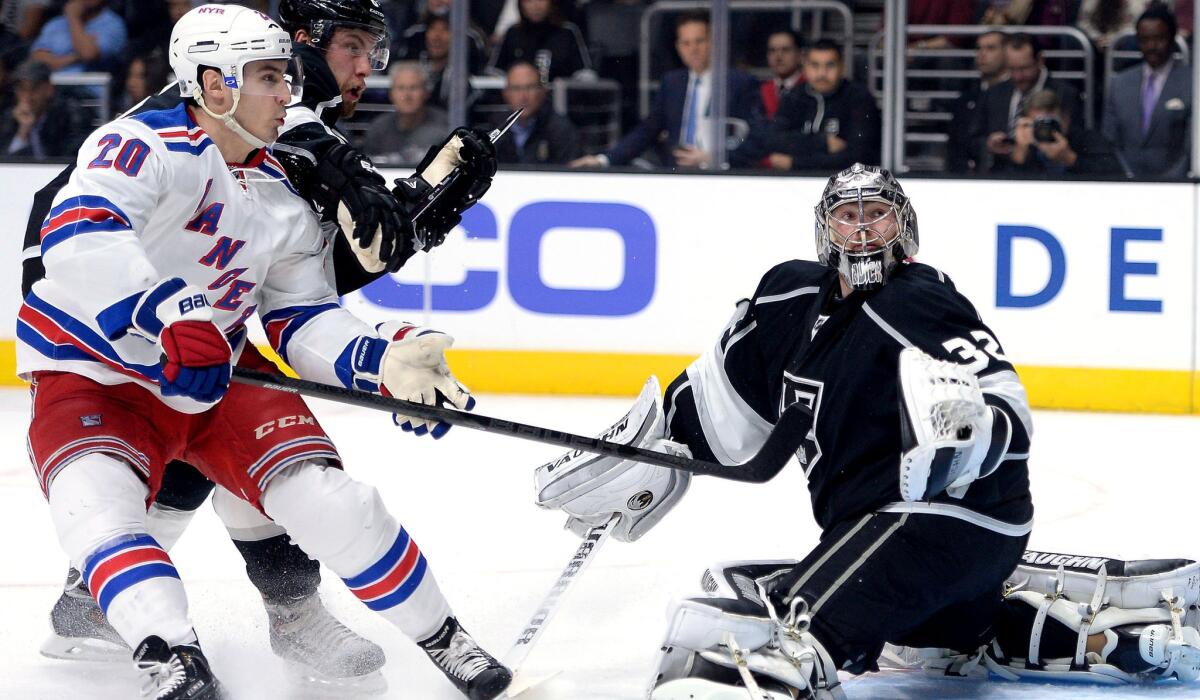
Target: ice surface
{"x":1116,"y":485}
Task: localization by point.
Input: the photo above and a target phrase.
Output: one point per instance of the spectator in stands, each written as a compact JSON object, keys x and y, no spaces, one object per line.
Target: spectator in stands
{"x":6,"y":88}
{"x":146,"y":76}
{"x":41,"y":123}
{"x":1148,"y":108}
{"x":1001,"y":105}
{"x":827,"y":124}
{"x":1045,"y":145}
{"x":436,"y":57}
{"x":541,"y":135}
{"x":679,"y":126}
{"x":555,"y":47}
{"x":404,"y":136}
{"x":783,"y":58}
{"x":411,"y":42}
{"x":1043,"y":13}
{"x":949,"y":12}
{"x":177,"y":9}
{"x":989,"y":61}
{"x":21,"y":20}
{"x":86,"y":37}
{"x":1102,"y":20}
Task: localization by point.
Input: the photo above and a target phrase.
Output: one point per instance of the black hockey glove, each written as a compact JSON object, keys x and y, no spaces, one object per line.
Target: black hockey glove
{"x":476,"y":165}
{"x":348,"y":178}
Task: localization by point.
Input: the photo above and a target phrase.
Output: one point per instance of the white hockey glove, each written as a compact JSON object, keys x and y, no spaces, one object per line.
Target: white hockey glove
{"x":951,"y":437}
{"x":414,"y":368}
{"x":592,"y":488}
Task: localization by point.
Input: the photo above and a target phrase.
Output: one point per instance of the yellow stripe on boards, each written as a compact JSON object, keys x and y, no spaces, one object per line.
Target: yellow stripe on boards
{"x":622,"y":374}
{"x":1124,"y":390}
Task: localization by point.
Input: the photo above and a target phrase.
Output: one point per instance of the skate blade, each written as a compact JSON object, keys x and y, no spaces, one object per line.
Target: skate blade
{"x":526,"y":681}
{"x":84,"y":649}
{"x":309,"y":684}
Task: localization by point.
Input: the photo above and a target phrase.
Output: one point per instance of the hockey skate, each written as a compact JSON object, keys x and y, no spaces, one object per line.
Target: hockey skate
{"x":174,"y":673}
{"x":324,"y":656}
{"x":472,"y":670}
{"x":80,"y":630}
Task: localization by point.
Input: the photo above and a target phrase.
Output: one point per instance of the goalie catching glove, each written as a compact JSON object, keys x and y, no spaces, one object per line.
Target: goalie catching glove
{"x":592,"y":488}
{"x":408,"y":362}
{"x":951,"y":436}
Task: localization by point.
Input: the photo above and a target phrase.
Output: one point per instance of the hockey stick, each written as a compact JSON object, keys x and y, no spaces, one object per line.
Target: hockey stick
{"x":515,"y":658}
{"x":781,"y":444}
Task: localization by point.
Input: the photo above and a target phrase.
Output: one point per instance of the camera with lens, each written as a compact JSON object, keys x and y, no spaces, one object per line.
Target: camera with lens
{"x":1044,"y":128}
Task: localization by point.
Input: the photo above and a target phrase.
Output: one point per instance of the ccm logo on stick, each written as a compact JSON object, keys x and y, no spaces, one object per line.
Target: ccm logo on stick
{"x":523,"y":268}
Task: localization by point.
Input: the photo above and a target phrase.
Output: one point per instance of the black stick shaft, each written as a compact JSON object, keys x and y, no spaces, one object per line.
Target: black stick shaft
{"x":770,"y":459}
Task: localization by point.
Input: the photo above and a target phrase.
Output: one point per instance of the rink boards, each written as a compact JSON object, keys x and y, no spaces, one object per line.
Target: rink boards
{"x":577,"y":283}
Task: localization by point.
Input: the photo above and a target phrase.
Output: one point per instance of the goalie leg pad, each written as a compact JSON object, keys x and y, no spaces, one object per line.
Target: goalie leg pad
{"x":743,"y":637}
{"x":1145,"y":610}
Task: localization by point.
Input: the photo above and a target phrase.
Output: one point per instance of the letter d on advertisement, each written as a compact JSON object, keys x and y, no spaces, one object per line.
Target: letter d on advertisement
{"x":1005,"y":234}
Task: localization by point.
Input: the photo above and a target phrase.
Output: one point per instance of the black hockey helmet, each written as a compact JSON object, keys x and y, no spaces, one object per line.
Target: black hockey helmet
{"x":320,"y":17}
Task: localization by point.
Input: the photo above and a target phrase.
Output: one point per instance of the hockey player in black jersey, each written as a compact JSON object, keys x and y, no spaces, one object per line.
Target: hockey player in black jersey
{"x":371,"y":231}
{"x":916,"y":446}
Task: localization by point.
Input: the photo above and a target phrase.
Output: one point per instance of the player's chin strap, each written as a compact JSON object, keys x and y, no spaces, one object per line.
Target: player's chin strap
{"x":228,"y":119}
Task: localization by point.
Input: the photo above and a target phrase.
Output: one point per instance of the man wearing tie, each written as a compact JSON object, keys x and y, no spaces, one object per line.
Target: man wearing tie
{"x":1148,"y":110}
{"x":1003,"y":103}
{"x":783,"y":58}
{"x":679,"y":126}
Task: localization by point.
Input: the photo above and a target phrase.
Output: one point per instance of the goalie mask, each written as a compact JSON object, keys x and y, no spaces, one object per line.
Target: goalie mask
{"x":856,"y":236}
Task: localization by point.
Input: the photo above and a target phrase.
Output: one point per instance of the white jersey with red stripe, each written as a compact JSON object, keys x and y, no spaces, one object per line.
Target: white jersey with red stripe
{"x":151,"y":199}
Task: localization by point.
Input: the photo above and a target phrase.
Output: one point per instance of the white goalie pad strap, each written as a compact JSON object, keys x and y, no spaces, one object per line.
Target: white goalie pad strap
{"x":592,"y":488}
{"x":1127,"y":584}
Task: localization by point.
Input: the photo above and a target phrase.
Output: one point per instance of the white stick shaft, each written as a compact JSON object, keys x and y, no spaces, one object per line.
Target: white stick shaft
{"x":579,"y":563}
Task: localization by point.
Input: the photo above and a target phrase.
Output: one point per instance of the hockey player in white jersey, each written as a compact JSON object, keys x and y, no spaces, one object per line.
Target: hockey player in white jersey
{"x":369,"y":230}
{"x":156,"y":253}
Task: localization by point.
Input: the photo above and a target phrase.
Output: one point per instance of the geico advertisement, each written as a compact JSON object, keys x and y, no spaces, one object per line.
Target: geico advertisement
{"x":1078,"y":274}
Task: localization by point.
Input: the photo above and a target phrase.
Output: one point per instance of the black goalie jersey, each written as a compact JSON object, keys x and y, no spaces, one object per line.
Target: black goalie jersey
{"x":796,"y":341}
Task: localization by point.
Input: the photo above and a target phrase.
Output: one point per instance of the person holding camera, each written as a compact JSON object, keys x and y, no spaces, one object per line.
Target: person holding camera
{"x":1045,"y":145}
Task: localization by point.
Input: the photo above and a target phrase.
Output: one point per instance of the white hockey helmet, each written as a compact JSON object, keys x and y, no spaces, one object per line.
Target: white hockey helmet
{"x":227,"y":37}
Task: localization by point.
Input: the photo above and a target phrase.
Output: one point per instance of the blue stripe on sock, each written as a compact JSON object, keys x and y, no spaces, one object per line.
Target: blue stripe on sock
{"x":128,"y":579}
{"x":402,"y":593}
{"x":380,"y":568}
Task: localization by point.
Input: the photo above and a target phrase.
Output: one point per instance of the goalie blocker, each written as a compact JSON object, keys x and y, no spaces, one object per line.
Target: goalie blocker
{"x":592,"y":488}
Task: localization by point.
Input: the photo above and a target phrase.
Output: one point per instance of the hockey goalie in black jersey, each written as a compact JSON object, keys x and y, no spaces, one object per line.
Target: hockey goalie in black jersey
{"x":916,"y":457}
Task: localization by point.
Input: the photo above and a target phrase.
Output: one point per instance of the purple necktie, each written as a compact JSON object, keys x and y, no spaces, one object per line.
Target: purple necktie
{"x":1148,"y":102}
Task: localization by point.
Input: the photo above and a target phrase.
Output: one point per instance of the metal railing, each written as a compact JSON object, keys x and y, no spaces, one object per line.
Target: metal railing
{"x":593,"y":105}
{"x":98,"y":88}
{"x":903,"y":92}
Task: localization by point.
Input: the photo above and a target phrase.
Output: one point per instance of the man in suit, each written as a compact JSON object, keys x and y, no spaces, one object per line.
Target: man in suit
{"x":679,"y":126}
{"x":1002,"y":104}
{"x":1148,"y":110}
{"x":989,"y":61}
{"x":783,"y":58}
{"x":540,"y":135}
